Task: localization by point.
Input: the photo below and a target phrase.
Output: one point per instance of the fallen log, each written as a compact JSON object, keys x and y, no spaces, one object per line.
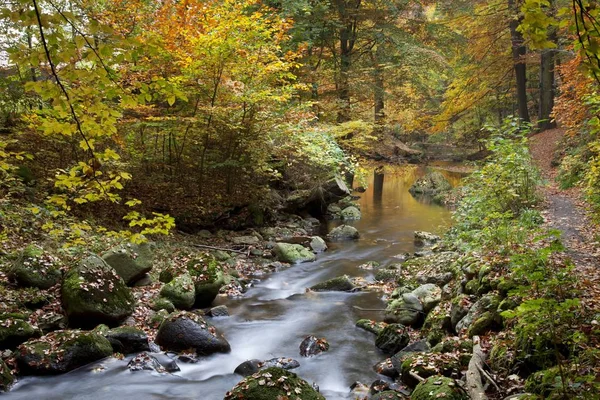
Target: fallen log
{"x":474,"y":377}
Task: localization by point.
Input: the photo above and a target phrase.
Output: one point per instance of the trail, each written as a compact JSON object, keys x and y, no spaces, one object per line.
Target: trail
{"x":566,"y":210}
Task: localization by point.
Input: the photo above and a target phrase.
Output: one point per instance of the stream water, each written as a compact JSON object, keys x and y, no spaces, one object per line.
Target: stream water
{"x":276,"y":314}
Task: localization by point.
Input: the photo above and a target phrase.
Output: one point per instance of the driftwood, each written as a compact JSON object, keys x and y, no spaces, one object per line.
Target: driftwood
{"x":474,"y":375}
{"x":416,"y":376}
{"x":203,"y":246}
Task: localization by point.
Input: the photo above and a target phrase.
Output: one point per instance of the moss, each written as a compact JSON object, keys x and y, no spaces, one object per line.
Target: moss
{"x":339,"y":284}
{"x":14,"y":331}
{"x":293,"y":253}
{"x":180,"y":291}
{"x":388,"y":395}
{"x":159,"y":317}
{"x":93,"y":293}
{"x":485,"y":322}
{"x":437,"y":323}
{"x":273,"y":383}
{"x":6,"y":377}
{"x":436,"y":387}
{"x":472,"y":286}
{"x":162,"y":304}
{"x":546,"y":383}
{"x":36,"y":268}
{"x":429,"y":364}
{"x":370,"y":325}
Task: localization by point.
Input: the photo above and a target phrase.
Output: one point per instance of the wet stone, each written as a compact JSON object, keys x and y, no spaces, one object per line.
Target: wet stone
{"x":311,"y":346}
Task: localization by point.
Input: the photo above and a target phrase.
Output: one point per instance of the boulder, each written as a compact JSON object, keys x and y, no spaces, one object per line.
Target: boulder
{"x":61,"y":351}
{"x":317,"y":244}
{"x":6,"y":377}
{"x":206,"y":292}
{"x":145,"y":362}
{"x":436,"y":387}
{"x":386,"y":368}
{"x":482,"y":316}
{"x":293,"y":253}
{"x":397,"y":359}
{"x":429,"y":295}
{"x":370,"y":325}
{"x":343,"y":232}
{"x":432,"y":184}
{"x":127,"y":339}
{"x":36,"y":268}
{"x":334,"y":211}
{"x":426,"y":239}
{"x":131,"y":261}
{"x":180,"y":291}
{"x":392,"y":338}
{"x":93,"y":293}
{"x":339,"y":284}
{"x":351,"y":213}
{"x":162,"y":304}
{"x":251,"y":367}
{"x":273,"y":383}
{"x":185,"y":330}
{"x":219,"y":311}
{"x":312,"y":345}
{"x":407,"y":310}
{"x":428,"y":364}
{"x":14,"y":330}
{"x":437,"y":323}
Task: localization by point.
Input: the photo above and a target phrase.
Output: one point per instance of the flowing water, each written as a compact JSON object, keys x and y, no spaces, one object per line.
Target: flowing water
{"x":274,"y":316}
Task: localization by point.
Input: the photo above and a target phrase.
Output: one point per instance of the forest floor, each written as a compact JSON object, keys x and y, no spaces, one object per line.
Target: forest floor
{"x":567,"y":211}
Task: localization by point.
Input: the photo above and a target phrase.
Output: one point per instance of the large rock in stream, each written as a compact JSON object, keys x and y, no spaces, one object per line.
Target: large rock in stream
{"x":61,"y":351}
{"x":432,"y":184}
{"x":185,"y":330}
{"x":180,"y":291}
{"x":343,"y":232}
{"x":14,"y":330}
{"x":339,"y":284}
{"x":293,"y":253}
{"x":273,"y":383}
{"x":93,"y":293}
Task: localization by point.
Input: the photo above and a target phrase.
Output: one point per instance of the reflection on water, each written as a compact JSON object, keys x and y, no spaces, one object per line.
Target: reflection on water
{"x":273,"y":317}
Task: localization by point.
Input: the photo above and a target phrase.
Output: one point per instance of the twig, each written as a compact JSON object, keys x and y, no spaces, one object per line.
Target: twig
{"x":488,"y":377}
{"x":416,"y":376}
{"x":203,"y":246}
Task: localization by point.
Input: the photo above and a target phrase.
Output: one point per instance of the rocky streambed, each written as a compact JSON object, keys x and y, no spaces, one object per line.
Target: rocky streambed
{"x":277,"y":319}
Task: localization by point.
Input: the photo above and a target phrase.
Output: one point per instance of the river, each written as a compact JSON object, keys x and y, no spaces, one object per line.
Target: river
{"x":276,"y":314}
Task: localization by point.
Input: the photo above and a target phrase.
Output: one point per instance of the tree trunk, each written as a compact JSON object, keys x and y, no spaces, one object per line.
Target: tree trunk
{"x":347,"y":14}
{"x":378,"y":96}
{"x":547,"y":82}
{"x":518,"y":53}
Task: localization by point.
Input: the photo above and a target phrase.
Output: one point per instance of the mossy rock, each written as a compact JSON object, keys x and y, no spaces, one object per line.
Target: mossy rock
{"x":185,"y":330}
{"x":432,"y":184}
{"x":36,"y":268}
{"x":207,"y":291}
{"x":407,"y":310}
{"x":387,"y":275}
{"x":180,"y":291}
{"x":437,"y":387}
{"x":131,"y":261}
{"x":343,"y":232}
{"x":429,"y":295}
{"x":388,"y":395}
{"x":484,"y":323}
{"x":488,"y":303}
{"x":61,"y":351}
{"x":438,"y":268}
{"x":93,"y":293}
{"x":437,"y":323}
{"x":428,"y":364}
{"x":6,"y":377}
{"x":392,"y":338}
{"x":472,"y":286}
{"x":370,"y":325}
{"x":339,"y":284}
{"x":273,"y":383}
{"x":293,"y":253}
{"x":14,"y":331}
{"x":163,"y":304}
{"x":351,"y":213}
{"x":546,"y":383}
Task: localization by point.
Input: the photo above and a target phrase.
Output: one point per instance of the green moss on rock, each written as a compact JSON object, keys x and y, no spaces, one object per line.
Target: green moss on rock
{"x":36,"y":268}
{"x":180,"y":291}
{"x":437,"y":387}
{"x":163,"y":304}
{"x":93,"y":293}
{"x":370,"y":325}
{"x":339,"y":284}
{"x":293,"y":253}
{"x":61,"y":351}
{"x":131,"y":261}
{"x":428,"y":364}
{"x":273,"y":383}
{"x":6,"y":377}
{"x":14,"y":331}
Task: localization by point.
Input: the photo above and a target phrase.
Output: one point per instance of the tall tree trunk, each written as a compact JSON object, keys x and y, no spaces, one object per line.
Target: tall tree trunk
{"x":518,"y":53}
{"x":378,"y":95}
{"x":547,"y":82}
{"x":347,"y":14}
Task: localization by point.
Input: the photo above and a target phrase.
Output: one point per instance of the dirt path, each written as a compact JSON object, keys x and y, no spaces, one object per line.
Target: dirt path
{"x":565,"y":210}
